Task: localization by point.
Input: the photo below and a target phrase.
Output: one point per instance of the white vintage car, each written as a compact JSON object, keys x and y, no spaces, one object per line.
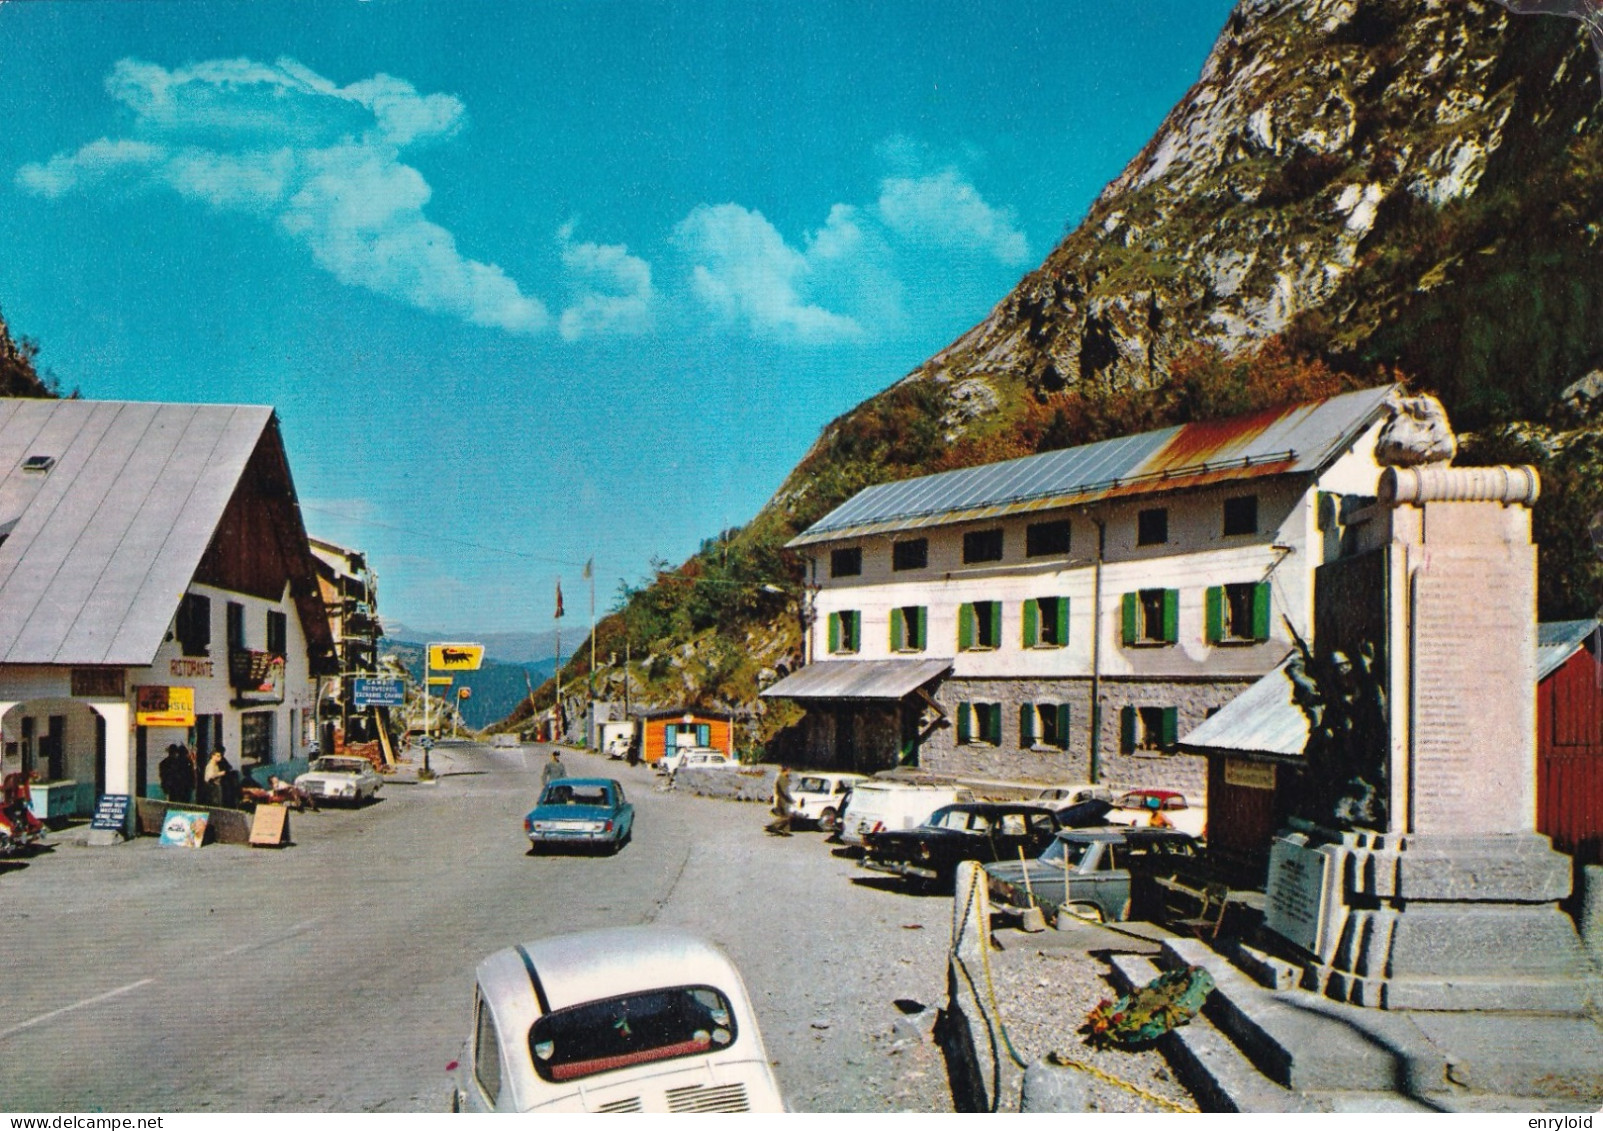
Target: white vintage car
{"x":820,"y":797}
{"x":350,"y":780}
{"x":626,"y":1019}
{"x":702,"y":757}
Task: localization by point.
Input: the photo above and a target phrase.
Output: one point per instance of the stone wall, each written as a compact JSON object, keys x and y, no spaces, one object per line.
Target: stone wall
{"x":749,"y":783}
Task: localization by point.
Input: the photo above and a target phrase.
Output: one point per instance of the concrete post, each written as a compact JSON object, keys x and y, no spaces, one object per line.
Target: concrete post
{"x":120,"y":774}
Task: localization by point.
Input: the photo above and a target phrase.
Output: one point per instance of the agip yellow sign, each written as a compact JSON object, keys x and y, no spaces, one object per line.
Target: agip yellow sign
{"x":456,"y":657}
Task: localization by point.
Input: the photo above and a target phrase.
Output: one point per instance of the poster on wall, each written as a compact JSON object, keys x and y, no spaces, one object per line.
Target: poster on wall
{"x":181,"y":828}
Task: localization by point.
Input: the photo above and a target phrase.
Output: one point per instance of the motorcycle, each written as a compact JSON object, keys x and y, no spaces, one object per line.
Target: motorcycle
{"x":19,"y":828}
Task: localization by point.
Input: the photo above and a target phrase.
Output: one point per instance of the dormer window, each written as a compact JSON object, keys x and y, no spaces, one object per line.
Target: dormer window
{"x":39,"y":464}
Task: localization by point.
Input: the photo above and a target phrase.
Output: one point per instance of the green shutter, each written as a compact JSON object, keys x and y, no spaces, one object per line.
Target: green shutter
{"x":1127,"y":729}
{"x":898,"y":630}
{"x":834,"y":632}
{"x":1063,"y":621}
{"x":703,"y":734}
{"x":1026,"y":725}
{"x":996,"y":633}
{"x":1260,"y":611}
{"x":922,"y":641}
{"x":1215,"y":603}
{"x":965,"y":627}
{"x":1130,"y":633}
{"x":1032,"y":613}
{"x":1171,"y":727}
{"x":965,"y":723}
{"x":1063,"y":725}
{"x":994,"y":725}
{"x":1171,"y":615}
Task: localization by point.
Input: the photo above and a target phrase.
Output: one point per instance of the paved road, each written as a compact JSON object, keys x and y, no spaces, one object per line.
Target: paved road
{"x":336,"y":975}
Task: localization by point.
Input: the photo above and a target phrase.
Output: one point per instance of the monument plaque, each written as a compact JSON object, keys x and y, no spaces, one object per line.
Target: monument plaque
{"x":1298,"y":893}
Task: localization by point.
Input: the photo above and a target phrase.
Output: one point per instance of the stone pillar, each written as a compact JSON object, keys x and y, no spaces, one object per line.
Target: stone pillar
{"x":120,"y":775}
{"x":1453,"y":905}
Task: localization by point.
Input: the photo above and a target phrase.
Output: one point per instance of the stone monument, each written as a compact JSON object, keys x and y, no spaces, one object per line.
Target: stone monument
{"x":1413,"y":876}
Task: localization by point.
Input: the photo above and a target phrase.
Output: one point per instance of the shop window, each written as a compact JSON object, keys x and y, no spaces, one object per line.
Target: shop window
{"x":1152,"y":527}
{"x":979,"y":625}
{"x":1044,"y":725}
{"x":1241,"y":515}
{"x":909,"y":625}
{"x":844,"y":630}
{"x":277,"y":632}
{"x":846,"y":563}
{"x":256,"y":736}
{"x":1149,"y":729}
{"x":1238,"y":613}
{"x":1046,"y":622}
{"x":911,"y":554}
{"x":194,"y":625}
{"x":1044,"y":538}
{"x":236,"y":625}
{"x":979,"y":724}
{"x":982,"y":546}
{"x":1151,"y":616}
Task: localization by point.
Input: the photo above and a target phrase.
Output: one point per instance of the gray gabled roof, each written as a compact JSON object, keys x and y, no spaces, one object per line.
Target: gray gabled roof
{"x":104,"y":543}
{"x":1264,"y":719}
{"x":857,"y":679}
{"x":1557,"y":641}
{"x":1289,"y":440}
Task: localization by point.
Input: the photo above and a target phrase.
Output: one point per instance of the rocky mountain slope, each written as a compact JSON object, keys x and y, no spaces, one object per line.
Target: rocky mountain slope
{"x":18,"y":377}
{"x":1353,"y":191}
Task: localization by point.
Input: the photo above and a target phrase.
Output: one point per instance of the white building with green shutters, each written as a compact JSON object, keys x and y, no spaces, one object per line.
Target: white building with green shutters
{"x":1066,"y":616}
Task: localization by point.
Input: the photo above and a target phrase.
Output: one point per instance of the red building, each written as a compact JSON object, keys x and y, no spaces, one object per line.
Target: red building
{"x":1569,"y":737}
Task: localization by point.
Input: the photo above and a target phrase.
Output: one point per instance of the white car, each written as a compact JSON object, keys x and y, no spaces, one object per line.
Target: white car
{"x":626,"y":1019}
{"x":702,"y":757}
{"x":351,"y":780}
{"x":1062,"y":796}
{"x":878,"y":805}
{"x":1161,"y":808}
{"x":820,"y":797}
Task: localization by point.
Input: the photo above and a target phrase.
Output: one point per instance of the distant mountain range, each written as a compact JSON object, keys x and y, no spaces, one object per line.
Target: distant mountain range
{"x":498,"y":686}
{"x":508,"y":647}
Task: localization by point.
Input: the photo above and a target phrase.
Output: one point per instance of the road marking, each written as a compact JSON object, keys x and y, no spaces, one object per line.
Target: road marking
{"x":297,"y":929}
{"x":43,"y":1017}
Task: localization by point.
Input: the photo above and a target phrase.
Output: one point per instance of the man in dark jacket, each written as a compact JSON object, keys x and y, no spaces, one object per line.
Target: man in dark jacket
{"x":177,"y":775}
{"x":552,"y":770}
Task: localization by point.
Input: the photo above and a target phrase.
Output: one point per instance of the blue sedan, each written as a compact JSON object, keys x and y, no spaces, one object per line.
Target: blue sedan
{"x":588,"y":812}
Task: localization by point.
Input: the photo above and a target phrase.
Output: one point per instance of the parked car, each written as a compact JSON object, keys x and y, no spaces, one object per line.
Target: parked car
{"x":627,"y":1019}
{"x":974,"y":830}
{"x":881,"y":805}
{"x":821,"y":797}
{"x":704,"y":757}
{"x":588,"y":812}
{"x":1104,"y":874}
{"x":504,"y":740}
{"x":1160,"y":808}
{"x":1073,"y":794}
{"x":337,"y":778}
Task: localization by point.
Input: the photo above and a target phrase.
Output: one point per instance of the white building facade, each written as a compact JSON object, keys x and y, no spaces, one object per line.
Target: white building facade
{"x":1089,"y":605}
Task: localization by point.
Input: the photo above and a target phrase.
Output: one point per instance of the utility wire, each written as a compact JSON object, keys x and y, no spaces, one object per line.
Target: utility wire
{"x":443,"y":538}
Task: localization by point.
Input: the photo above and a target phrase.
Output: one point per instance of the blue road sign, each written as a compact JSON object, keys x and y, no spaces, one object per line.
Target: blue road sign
{"x":379,"y":692}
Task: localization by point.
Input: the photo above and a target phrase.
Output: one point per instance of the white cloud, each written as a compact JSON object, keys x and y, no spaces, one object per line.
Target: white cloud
{"x":745,"y":272}
{"x":944,"y":210}
{"x":322,"y":161}
{"x":613,"y":292}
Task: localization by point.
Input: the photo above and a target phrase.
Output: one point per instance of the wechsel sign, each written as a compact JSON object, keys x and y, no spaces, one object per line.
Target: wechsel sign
{"x":456,"y":657}
{"x":378,"y":692}
{"x":164,"y":706}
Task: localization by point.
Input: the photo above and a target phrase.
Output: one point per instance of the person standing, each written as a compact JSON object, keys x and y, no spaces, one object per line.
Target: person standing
{"x":552,"y":770}
{"x":216,"y":768}
{"x":177,"y":777}
{"x":783,"y":803}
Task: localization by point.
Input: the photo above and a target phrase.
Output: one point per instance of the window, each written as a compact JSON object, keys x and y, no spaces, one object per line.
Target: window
{"x":194,"y":626}
{"x":1044,"y":725}
{"x":236,"y":625}
{"x":1042,"y":538}
{"x":1241,"y":515}
{"x":844,"y":630}
{"x":637,"y":1028}
{"x":912,"y":554}
{"x":1046,"y":622}
{"x":256,"y":737}
{"x":846,"y":563}
{"x":982,"y":546}
{"x":486,"y":1052}
{"x":277,"y":632}
{"x":1148,"y":728}
{"x":979,"y":724}
{"x":979,"y":625}
{"x":1151,"y":616}
{"x":1152,"y":527}
{"x":908,"y":628}
{"x":1238,"y":613}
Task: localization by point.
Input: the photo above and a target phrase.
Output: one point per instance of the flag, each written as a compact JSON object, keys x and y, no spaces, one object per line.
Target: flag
{"x":559,"y":597}
{"x":589,"y":569}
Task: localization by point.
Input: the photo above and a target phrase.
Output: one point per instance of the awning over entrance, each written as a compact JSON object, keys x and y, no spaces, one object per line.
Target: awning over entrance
{"x":858,"y":679}
{"x":1264,"y":719}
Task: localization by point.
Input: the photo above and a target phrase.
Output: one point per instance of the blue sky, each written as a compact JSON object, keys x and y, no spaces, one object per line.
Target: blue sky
{"x":535,"y":283}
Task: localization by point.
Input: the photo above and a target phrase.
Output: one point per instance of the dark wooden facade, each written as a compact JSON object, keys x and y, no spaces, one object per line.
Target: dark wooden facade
{"x":1569,"y":755}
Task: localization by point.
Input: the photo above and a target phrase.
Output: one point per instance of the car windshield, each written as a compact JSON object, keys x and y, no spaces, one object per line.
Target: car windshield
{"x":339,"y":765}
{"x":603,"y":1036}
{"x":1071,"y":851}
{"x":812,"y":785}
{"x":560,"y":794}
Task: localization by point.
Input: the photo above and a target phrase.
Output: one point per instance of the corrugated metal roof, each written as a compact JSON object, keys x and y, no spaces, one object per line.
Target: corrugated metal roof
{"x":1557,"y":641}
{"x":105,"y":542}
{"x":1264,"y":719}
{"x":1288,"y":440}
{"x":857,"y":679}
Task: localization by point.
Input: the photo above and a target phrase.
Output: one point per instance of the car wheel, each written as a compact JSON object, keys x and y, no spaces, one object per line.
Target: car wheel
{"x":829,"y":820}
{"x":1090,"y":912}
